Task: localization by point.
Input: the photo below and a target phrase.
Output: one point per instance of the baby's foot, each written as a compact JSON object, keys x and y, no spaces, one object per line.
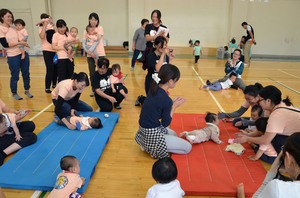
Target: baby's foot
{"x":126,"y":97}
{"x":207,"y":88}
{"x":183,"y":134}
{"x":240,"y":191}
{"x":201,"y":86}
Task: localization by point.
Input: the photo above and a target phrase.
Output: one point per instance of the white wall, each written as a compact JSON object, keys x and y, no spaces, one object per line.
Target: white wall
{"x":213,"y":22}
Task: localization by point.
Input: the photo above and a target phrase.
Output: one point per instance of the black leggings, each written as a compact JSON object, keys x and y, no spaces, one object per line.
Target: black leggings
{"x":65,"y":69}
{"x":278,"y":141}
{"x":51,"y":69}
{"x":26,"y":129}
{"x":104,"y":104}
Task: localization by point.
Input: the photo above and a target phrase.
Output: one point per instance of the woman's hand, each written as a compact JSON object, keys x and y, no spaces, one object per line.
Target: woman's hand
{"x":71,"y":127}
{"x":239,"y":123}
{"x":178,"y":101}
{"x":112,"y":99}
{"x":18,"y":137}
{"x":242,"y":139}
{"x":91,"y":54}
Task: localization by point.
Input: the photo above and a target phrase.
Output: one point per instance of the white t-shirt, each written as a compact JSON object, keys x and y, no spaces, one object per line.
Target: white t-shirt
{"x":226,"y":84}
{"x":249,"y":29}
{"x":169,"y":190}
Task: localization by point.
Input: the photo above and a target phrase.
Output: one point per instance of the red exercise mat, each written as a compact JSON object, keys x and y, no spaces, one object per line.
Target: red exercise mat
{"x":210,"y":170}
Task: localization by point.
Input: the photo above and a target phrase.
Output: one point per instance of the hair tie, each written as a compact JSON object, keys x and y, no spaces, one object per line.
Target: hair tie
{"x":156,"y":78}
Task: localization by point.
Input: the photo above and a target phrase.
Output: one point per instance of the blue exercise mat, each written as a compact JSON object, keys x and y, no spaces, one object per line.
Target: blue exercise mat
{"x":36,"y":167}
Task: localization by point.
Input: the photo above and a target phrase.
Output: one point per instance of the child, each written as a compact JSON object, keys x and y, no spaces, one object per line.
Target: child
{"x":92,"y":38}
{"x":22,"y":33}
{"x":164,"y":172}
{"x":267,"y":152}
{"x":69,"y":180}
{"x":256,"y":112}
{"x":226,"y":52}
{"x":9,"y":120}
{"x":117,"y":81}
{"x":197,"y":51}
{"x":232,"y":46}
{"x":221,"y":85}
{"x":72,"y":43}
{"x":50,"y":29}
{"x":82,"y":123}
{"x":192,"y":43}
{"x":211,"y":132}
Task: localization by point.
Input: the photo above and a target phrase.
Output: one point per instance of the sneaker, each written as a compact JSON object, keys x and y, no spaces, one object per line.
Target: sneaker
{"x":28,"y":94}
{"x":208,"y":82}
{"x":47,"y":90}
{"x":245,"y":64}
{"x":92,"y":94}
{"x":132,"y":68}
{"x":137,"y":102}
{"x":118,"y":107}
{"x":17,"y":97}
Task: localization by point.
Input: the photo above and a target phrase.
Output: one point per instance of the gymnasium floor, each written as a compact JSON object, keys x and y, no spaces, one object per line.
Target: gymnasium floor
{"x":124,"y":170}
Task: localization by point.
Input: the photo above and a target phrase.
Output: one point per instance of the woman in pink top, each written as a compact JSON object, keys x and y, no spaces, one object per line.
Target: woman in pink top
{"x":65,"y":67}
{"x":10,"y":41}
{"x":48,"y":54}
{"x":284,"y":119}
{"x":94,"y":22}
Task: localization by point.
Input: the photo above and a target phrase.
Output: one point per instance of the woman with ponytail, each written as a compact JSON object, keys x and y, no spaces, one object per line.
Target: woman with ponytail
{"x":66,"y":95}
{"x":284,"y":119}
{"x":153,"y":135}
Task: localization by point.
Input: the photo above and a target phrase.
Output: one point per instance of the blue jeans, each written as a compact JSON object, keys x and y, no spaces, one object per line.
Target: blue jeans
{"x":66,"y":107}
{"x":134,"y":56}
{"x":15,"y":63}
{"x":240,"y":119}
{"x":215,"y":87}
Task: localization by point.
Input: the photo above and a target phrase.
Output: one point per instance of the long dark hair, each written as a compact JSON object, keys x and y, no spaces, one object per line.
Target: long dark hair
{"x":274,"y":94}
{"x":166,"y":73}
{"x":293,"y":147}
{"x":158,"y":15}
{"x":81,"y":77}
{"x":4,"y":12}
{"x":253,"y":90}
{"x":94,"y":15}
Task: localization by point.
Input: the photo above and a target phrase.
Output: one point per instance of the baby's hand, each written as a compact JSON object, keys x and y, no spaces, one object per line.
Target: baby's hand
{"x":18,"y":137}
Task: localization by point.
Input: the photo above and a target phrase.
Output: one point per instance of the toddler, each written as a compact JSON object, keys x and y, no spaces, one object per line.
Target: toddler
{"x":264,"y":152}
{"x":50,"y":28}
{"x":22,"y":34}
{"x":72,"y":43}
{"x":197,"y":51}
{"x":221,"y":85}
{"x":232,"y":46}
{"x":256,"y":112}
{"x":164,"y":172}
{"x":9,"y":120}
{"x":69,"y":180}
{"x":211,"y":132}
{"x":92,"y":38}
{"x":82,"y":123}
{"x":226,"y":52}
{"x":117,"y":81}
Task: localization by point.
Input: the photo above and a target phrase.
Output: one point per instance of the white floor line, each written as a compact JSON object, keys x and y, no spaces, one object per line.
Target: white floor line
{"x":288,"y":73}
{"x":41,"y":112}
{"x":287,"y":87}
{"x":213,"y":97}
{"x":36,"y":194}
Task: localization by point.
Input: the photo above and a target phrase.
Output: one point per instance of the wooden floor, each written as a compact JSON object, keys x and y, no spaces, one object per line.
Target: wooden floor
{"x":124,"y":170}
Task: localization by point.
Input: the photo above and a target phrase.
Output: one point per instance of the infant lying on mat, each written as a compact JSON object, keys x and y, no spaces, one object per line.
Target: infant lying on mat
{"x":211,"y":132}
{"x":81,"y":123}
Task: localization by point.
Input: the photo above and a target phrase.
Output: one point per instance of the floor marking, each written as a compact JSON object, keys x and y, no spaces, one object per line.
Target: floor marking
{"x":288,"y":73}
{"x":41,"y":112}
{"x":285,"y":86}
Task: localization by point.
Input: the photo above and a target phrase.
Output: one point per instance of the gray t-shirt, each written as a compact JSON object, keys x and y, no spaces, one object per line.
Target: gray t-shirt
{"x":139,"y":39}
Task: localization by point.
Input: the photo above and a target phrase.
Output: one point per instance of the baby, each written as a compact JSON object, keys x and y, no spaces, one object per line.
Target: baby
{"x":221,"y":85}
{"x":22,"y":34}
{"x":117,"y":81}
{"x":256,"y":112}
{"x":72,"y":43}
{"x":69,"y":180}
{"x":50,"y":28}
{"x":92,"y":39}
{"x":211,"y":132}
{"x":9,"y":120}
{"x":82,"y":123}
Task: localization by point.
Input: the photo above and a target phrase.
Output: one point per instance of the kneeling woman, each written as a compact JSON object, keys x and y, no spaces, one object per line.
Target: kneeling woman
{"x":153,"y":135}
{"x":66,"y":95}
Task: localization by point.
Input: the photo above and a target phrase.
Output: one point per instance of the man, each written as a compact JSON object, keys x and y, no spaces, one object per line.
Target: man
{"x":249,"y":41}
{"x":139,"y":42}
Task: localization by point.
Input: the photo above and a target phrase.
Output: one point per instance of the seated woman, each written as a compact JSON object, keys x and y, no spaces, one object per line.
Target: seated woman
{"x":66,"y":96}
{"x":284,"y":119}
{"x":8,"y":142}
{"x":153,"y":135}
{"x":104,"y":95}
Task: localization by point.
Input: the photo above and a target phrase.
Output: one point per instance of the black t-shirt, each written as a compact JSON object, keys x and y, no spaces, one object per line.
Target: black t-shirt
{"x":152,"y":60}
{"x":102,"y":81}
{"x":151,"y":30}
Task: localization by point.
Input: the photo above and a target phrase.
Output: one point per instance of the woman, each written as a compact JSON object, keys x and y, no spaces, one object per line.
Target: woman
{"x":275,"y":188}
{"x":48,"y":54}
{"x":94,"y":22}
{"x":66,"y":96}
{"x":104,"y":95}
{"x":65,"y":67}
{"x":8,"y":143}
{"x":9,"y":40}
{"x":153,"y":135}
{"x":155,"y":60}
{"x":284,"y":119}
{"x":251,"y":99}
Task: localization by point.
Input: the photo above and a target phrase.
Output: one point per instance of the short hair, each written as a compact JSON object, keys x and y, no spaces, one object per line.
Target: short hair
{"x":244,"y":23}
{"x":19,"y":21}
{"x":44,"y":16}
{"x":258,"y":109}
{"x":94,"y":15}
{"x":96,"y":124}
{"x":144,"y":21}
{"x":4,"y":12}
{"x":232,"y":74}
{"x":261,"y":124}
{"x":87,"y":27}
{"x":197,"y":41}
{"x":67,"y":162}
{"x":74,"y":28}
{"x":210,"y":117}
{"x":232,"y":40}
{"x":164,"y":170}
{"x":60,"y":23}
{"x":225,"y":47}
{"x":115,"y":66}
{"x":2,"y":118}
{"x":103,"y":62}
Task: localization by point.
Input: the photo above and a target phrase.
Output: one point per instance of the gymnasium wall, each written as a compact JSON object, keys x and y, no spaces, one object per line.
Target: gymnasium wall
{"x":213,"y":22}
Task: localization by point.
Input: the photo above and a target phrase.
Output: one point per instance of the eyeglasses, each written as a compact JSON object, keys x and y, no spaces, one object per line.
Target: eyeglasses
{"x":236,"y":54}
{"x":260,"y":100}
